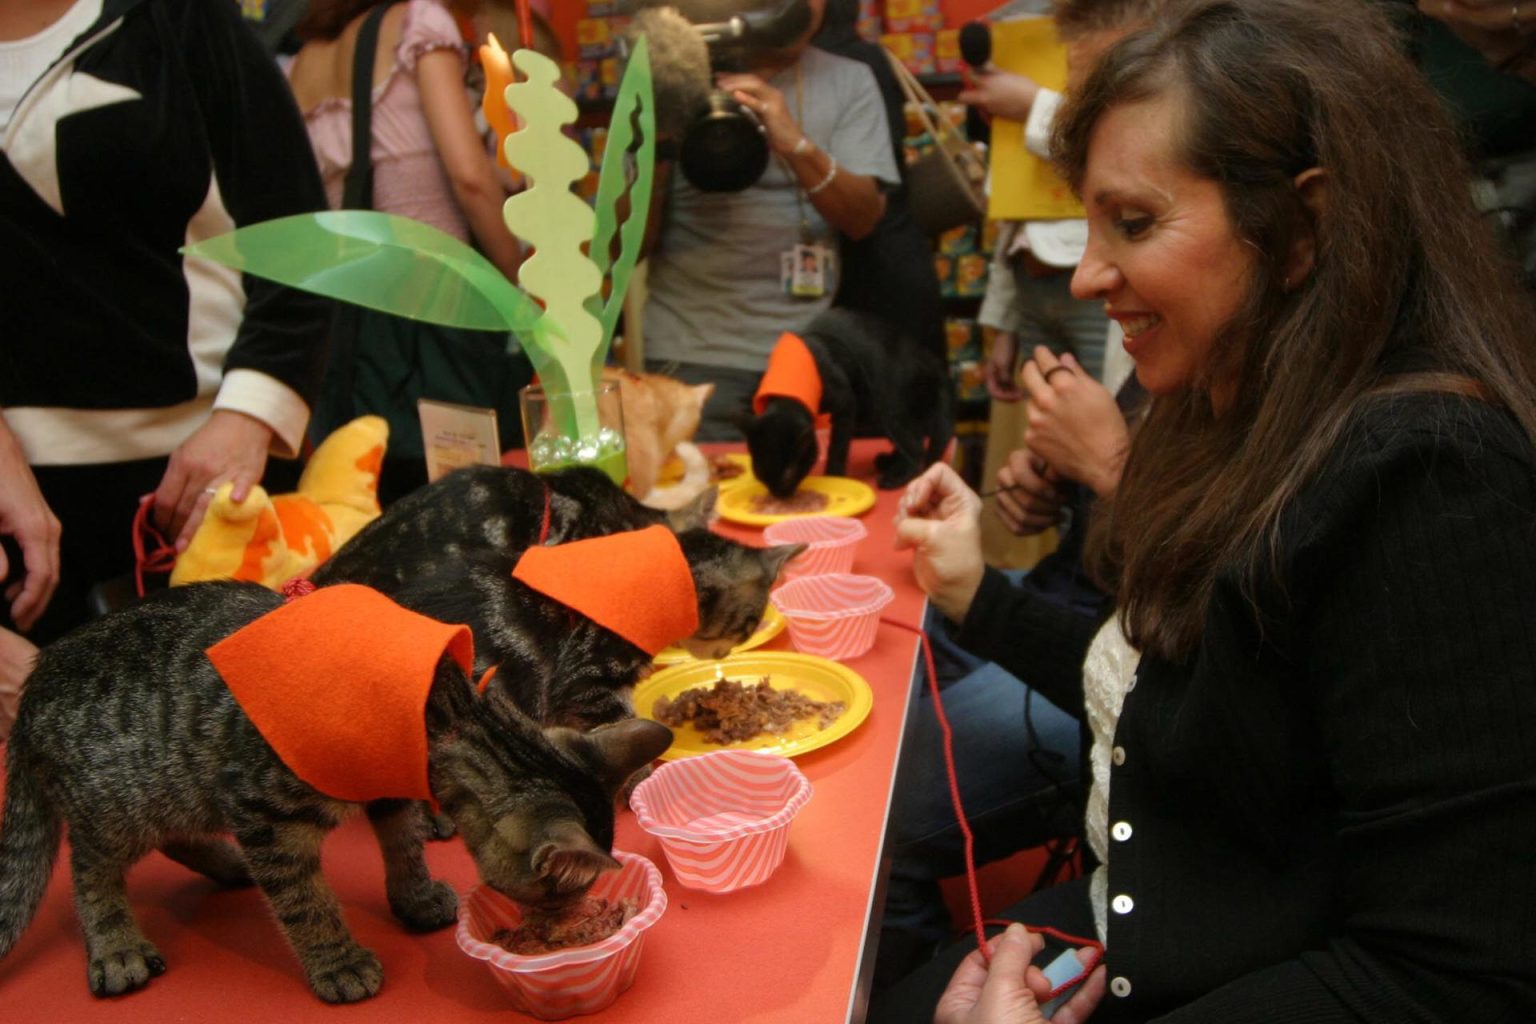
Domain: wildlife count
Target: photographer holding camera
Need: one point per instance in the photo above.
(739, 257)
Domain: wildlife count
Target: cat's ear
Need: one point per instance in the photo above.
(568, 860)
(775, 558)
(697, 513)
(703, 391)
(623, 748)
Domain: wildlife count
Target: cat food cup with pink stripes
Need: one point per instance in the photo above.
(832, 542)
(834, 615)
(577, 979)
(722, 817)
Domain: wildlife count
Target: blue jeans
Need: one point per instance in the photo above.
(1017, 762)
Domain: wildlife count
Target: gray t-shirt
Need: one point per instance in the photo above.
(714, 290)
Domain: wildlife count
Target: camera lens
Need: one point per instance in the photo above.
(723, 150)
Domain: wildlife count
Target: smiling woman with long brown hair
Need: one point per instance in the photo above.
(1323, 795)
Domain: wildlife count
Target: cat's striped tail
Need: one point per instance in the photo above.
(29, 842)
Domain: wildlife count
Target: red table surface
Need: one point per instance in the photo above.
(790, 951)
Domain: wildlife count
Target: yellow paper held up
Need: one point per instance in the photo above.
(1025, 187)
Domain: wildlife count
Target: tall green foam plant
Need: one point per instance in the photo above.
(401, 266)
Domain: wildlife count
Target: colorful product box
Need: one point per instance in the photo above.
(944, 270)
(958, 241)
(960, 338)
(946, 52)
(913, 16)
(913, 49)
(594, 38)
(970, 274)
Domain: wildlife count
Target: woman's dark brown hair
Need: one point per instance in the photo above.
(1406, 277)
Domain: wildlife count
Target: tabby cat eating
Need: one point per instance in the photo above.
(129, 735)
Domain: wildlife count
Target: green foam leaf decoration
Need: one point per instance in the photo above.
(379, 260)
(634, 108)
(556, 222)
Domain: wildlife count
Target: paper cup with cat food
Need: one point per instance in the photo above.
(832, 542)
(834, 615)
(722, 817)
(577, 964)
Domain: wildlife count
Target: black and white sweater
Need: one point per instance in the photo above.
(1333, 817)
(164, 123)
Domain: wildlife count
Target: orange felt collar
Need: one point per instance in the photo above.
(636, 584)
(791, 373)
(336, 682)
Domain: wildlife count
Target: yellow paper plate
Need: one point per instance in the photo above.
(771, 626)
(845, 497)
(817, 678)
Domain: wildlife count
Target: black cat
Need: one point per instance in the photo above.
(871, 372)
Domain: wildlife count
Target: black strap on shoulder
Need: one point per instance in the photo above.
(357, 192)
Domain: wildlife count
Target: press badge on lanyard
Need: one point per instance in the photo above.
(804, 269)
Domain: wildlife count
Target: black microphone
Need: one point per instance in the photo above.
(976, 45)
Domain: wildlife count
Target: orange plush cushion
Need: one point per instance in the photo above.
(636, 584)
(337, 683)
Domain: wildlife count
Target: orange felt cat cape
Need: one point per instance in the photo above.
(336, 682)
(791, 373)
(271, 539)
(635, 583)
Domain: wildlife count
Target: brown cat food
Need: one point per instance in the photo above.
(799, 503)
(729, 711)
(723, 467)
(592, 920)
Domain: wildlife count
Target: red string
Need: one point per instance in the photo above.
(162, 558)
(954, 788)
(296, 588)
(979, 923)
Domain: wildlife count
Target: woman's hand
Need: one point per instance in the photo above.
(230, 447)
(1073, 422)
(1027, 499)
(768, 104)
(1011, 990)
(939, 519)
(1001, 378)
(1497, 29)
(17, 654)
(25, 516)
(1002, 94)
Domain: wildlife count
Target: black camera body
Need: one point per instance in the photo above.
(722, 146)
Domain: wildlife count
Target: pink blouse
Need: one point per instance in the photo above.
(408, 176)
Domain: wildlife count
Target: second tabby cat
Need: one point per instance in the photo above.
(561, 668)
(128, 735)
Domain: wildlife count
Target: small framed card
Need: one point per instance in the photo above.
(454, 436)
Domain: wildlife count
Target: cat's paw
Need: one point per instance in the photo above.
(354, 975)
(124, 970)
(436, 906)
(440, 826)
(638, 776)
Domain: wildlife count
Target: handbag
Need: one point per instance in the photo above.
(380, 363)
(946, 185)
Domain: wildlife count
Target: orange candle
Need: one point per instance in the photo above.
(498, 75)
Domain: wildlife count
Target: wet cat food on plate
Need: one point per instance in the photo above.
(799, 503)
(730, 711)
(592, 920)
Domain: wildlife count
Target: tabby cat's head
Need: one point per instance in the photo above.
(732, 581)
(534, 806)
(782, 443)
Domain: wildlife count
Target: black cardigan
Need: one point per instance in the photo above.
(1333, 817)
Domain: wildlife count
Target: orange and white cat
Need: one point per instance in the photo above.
(661, 414)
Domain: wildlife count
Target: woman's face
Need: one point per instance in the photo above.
(1162, 254)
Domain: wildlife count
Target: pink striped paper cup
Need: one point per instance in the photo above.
(832, 539)
(579, 979)
(722, 817)
(834, 615)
